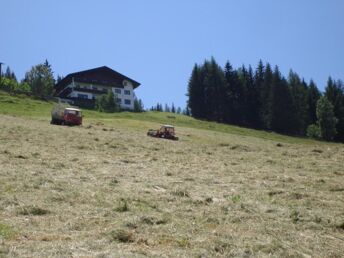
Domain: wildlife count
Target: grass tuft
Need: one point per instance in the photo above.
(6, 231)
(122, 206)
(32, 210)
(121, 235)
(181, 193)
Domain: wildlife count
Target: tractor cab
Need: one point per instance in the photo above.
(165, 131)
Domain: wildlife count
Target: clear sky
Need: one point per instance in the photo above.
(157, 42)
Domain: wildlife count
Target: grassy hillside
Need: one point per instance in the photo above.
(107, 190)
(28, 107)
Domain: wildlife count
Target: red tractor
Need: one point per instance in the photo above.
(166, 132)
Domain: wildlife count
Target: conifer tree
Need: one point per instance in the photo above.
(173, 109)
(253, 108)
(313, 95)
(326, 119)
(281, 104)
(196, 102)
(335, 94)
(231, 81)
(299, 110)
(259, 85)
(266, 97)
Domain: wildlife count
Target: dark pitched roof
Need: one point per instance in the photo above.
(101, 75)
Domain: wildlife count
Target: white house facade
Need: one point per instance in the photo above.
(82, 88)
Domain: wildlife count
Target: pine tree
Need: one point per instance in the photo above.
(173, 109)
(281, 104)
(138, 105)
(266, 97)
(167, 108)
(214, 83)
(313, 95)
(253, 109)
(231, 80)
(196, 101)
(335, 94)
(299, 110)
(10, 74)
(259, 85)
(326, 119)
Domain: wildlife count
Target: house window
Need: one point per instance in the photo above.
(82, 96)
(127, 101)
(118, 91)
(126, 92)
(119, 101)
(94, 88)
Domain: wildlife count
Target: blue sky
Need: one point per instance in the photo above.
(157, 42)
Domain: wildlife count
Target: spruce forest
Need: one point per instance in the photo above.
(262, 98)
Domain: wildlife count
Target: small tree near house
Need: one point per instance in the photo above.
(107, 103)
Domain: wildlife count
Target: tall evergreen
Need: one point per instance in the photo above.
(326, 119)
(298, 91)
(10, 74)
(266, 97)
(281, 104)
(335, 94)
(214, 84)
(261, 99)
(196, 101)
(230, 95)
(259, 85)
(313, 95)
(253, 105)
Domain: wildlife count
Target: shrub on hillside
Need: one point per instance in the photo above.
(107, 103)
(12, 86)
(313, 131)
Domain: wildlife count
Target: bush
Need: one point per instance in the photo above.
(107, 103)
(12, 86)
(313, 131)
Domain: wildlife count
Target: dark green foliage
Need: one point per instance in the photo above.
(10, 74)
(173, 109)
(313, 131)
(12, 86)
(196, 101)
(313, 95)
(298, 90)
(266, 98)
(41, 80)
(138, 105)
(263, 99)
(167, 108)
(282, 119)
(107, 103)
(158, 107)
(335, 94)
(326, 119)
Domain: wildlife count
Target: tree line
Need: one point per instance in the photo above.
(38, 81)
(262, 98)
(170, 109)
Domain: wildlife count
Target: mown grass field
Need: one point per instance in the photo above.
(107, 190)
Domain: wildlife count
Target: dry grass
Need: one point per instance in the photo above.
(108, 190)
